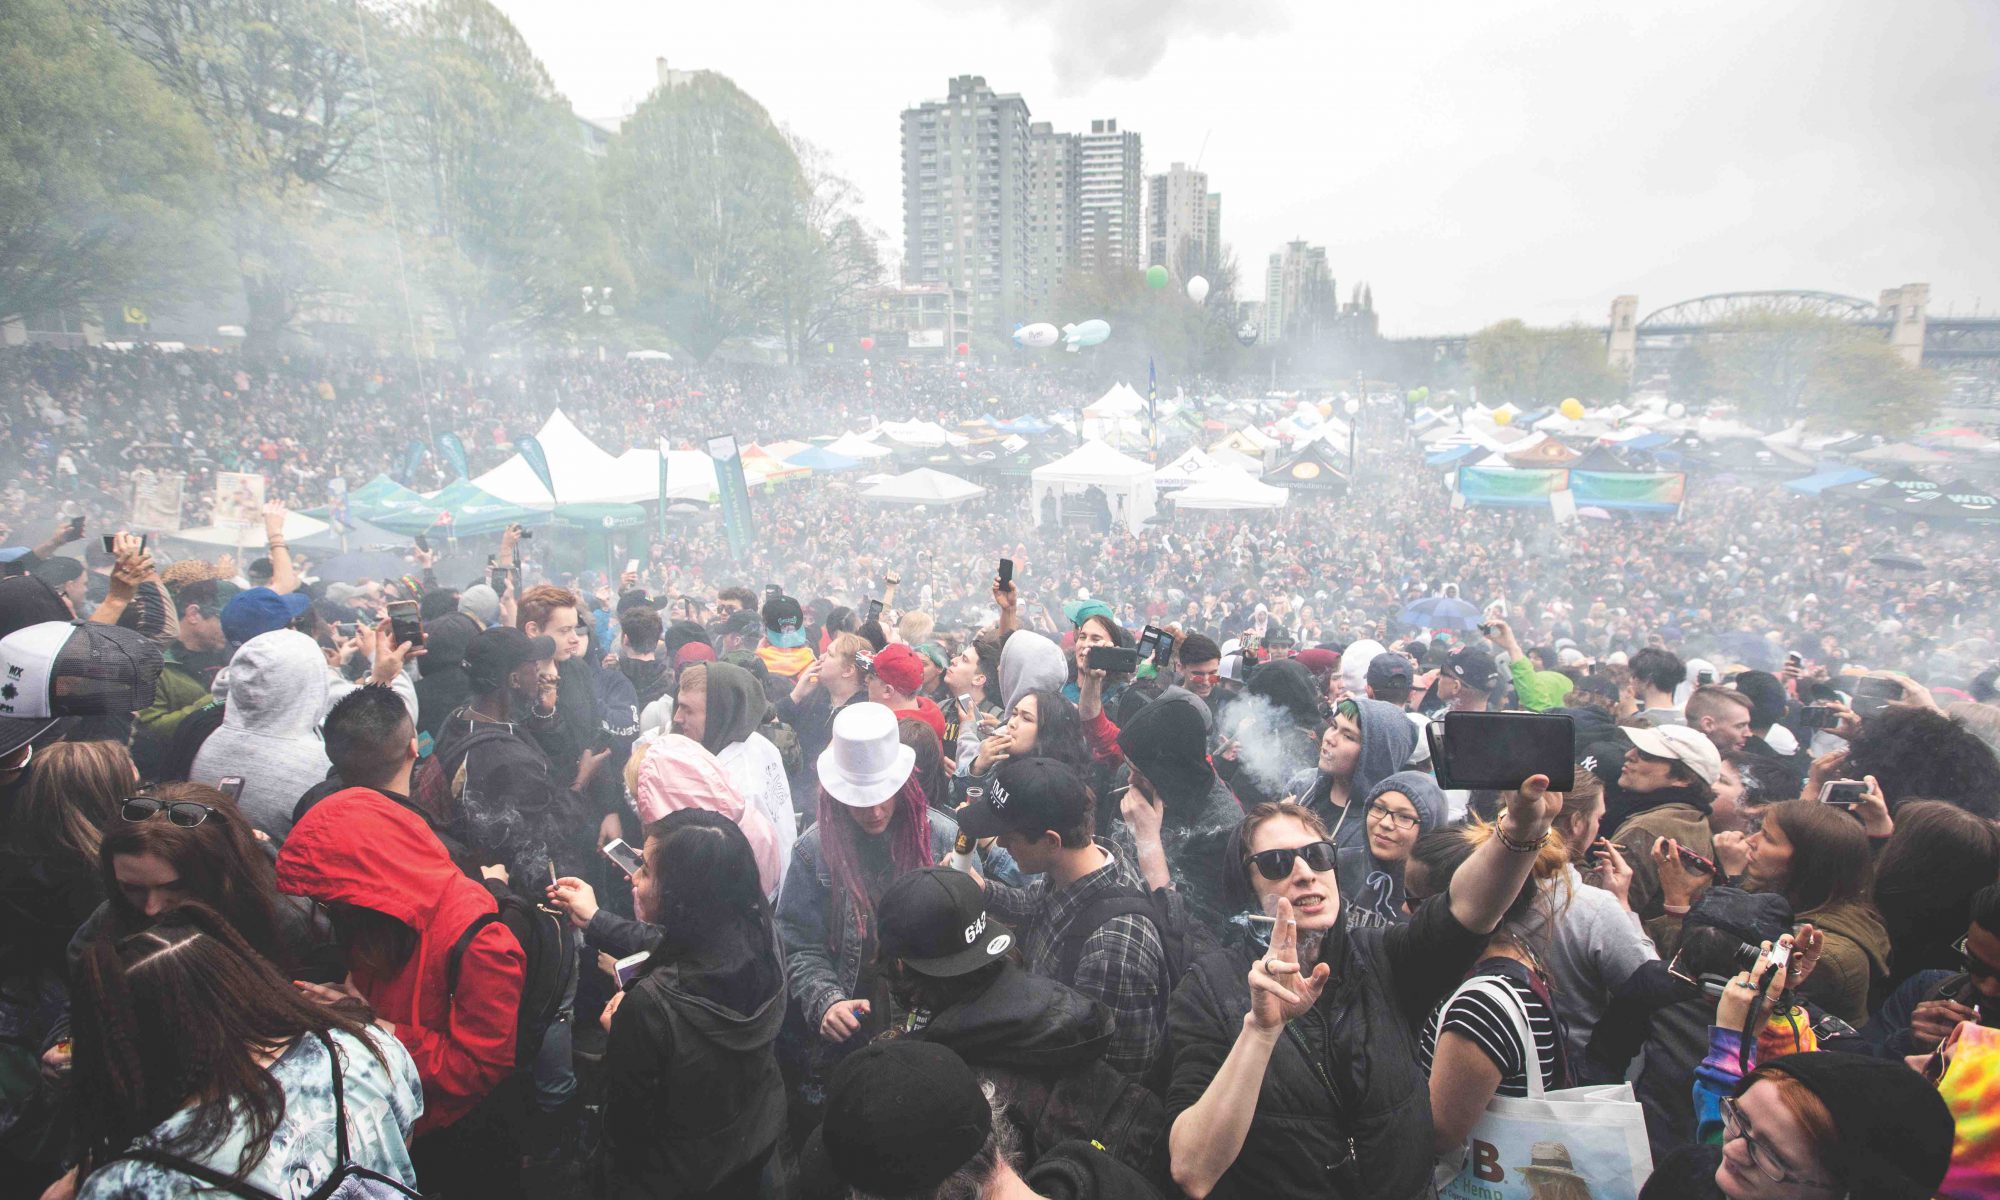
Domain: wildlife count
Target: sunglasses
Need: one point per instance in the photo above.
(1276, 864)
(1973, 966)
(185, 813)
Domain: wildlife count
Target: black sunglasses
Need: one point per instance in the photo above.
(1276, 864)
(1972, 966)
(185, 813)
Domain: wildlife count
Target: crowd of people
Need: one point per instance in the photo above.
(938, 855)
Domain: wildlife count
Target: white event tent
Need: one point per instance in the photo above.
(1225, 489)
(1126, 484)
(581, 471)
(922, 486)
(853, 445)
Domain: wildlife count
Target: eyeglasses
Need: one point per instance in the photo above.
(1972, 966)
(1735, 1127)
(1276, 864)
(1395, 819)
(185, 813)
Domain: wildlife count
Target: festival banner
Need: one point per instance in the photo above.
(1629, 490)
(734, 491)
(156, 500)
(239, 499)
(1506, 487)
(531, 452)
(413, 458)
(453, 449)
(664, 447)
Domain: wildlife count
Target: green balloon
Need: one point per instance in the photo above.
(1156, 277)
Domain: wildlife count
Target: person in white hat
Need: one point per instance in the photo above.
(1664, 785)
(873, 826)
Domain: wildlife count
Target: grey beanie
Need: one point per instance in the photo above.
(482, 603)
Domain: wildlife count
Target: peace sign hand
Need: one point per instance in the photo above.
(1279, 990)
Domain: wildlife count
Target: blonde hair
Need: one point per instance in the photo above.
(916, 627)
(845, 646)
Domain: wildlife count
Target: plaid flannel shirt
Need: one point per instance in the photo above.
(1122, 963)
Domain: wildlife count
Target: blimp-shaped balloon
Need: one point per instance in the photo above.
(1086, 333)
(1197, 289)
(1038, 335)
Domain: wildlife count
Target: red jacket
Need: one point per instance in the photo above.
(925, 709)
(358, 847)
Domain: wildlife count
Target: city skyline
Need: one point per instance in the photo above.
(1472, 164)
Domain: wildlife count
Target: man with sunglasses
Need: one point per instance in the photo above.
(1930, 1004)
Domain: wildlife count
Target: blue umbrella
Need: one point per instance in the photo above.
(1441, 612)
(1753, 650)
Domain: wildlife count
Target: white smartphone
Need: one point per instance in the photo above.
(631, 566)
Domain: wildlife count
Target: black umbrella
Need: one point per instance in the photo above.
(1897, 562)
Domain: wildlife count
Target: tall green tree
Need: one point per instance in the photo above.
(104, 174)
(1513, 363)
(704, 192)
(1780, 367)
(501, 198)
(829, 259)
(282, 89)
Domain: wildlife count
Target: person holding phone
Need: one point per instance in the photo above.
(1659, 783)
(1294, 1050)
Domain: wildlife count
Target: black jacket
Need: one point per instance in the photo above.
(692, 1091)
(1371, 1134)
(505, 804)
(1041, 1045)
(648, 677)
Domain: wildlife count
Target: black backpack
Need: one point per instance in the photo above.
(551, 955)
(1182, 941)
(349, 1181)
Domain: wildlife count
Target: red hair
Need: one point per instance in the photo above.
(909, 835)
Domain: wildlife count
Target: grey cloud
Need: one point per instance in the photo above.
(1126, 39)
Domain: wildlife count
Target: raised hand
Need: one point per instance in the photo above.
(1279, 990)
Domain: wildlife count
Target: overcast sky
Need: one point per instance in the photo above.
(1471, 161)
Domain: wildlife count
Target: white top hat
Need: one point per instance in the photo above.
(867, 762)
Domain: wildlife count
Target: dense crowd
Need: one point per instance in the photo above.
(936, 854)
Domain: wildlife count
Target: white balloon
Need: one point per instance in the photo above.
(1037, 335)
(1677, 411)
(1197, 289)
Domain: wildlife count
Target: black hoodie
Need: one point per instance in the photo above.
(1041, 1045)
(1166, 742)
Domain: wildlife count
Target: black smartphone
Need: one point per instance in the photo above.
(1006, 571)
(230, 786)
(1872, 695)
(1164, 653)
(423, 543)
(111, 539)
(1499, 751)
(1112, 660)
(771, 592)
(76, 527)
(1149, 640)
(1818, 716)
(1843, 793)
(875, 610)
(1695, 862)
(405, 626)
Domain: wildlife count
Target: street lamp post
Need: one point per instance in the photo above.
(1353, 430)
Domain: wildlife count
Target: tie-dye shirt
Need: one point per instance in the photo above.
(1971, 1087)
(382, 1103)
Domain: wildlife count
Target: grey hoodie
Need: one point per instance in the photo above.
(270, 729)
(1378, 886)
(1387, 740)
(1028, 661)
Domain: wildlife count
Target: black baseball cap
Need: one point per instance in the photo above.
(491, 656)
(783, 614)
(1474, 668)
(1388, 669)
(902, 1116)
(743, 623)
(1027, 795)
(935, 921)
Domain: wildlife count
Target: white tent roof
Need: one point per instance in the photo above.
(1184, 470)
(923, 486)
(298, 527)
(635, 477)
(1224, 457)
(853, 445)
(1092, 462)
(1120, 401)
(581, 470)
(927, 434)
(1227, 489)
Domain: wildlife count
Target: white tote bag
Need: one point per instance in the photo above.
(1583, 1143)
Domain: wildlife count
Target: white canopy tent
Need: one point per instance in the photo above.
(853, 445)
(923, 486)
(927, 435)
(1225, 489)
(1120, 401)
(580, 469)
(635, 477)
(1184, 470)
(1090, 472)
(298, 527)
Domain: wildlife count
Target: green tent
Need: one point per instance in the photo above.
(474, 512)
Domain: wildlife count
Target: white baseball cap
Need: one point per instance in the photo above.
(1683, 744)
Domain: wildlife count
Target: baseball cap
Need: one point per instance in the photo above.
(76, 669)
(1473, 667)
(902, 1116)
(935, 920)
(1681, 744)
(743, 623)
(783, 613)
(260, 610)
(898, 666)
(490, 656)
(1389, 669)
(1076, 612)
(934, 654)
(1027, 795)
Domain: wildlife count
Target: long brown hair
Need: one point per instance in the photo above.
(177, 1013)
(72, 797)
(218, 861)
(1830, 858)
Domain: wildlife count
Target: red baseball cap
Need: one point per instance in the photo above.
(899, 666)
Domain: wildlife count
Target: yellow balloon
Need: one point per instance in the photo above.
(1503, 417)
(1572, 408)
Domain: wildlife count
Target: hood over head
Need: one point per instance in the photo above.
(359, 847)
(1354, 660)
(736, 703)
(1029, 662)
(1387, 740)
(1167, 742)
(277, 684)
(677, 772)
(1423, 792)
(1026, 1022)
(1288, 684)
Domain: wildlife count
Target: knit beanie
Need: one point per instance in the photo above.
(1167, 743)
(1893, 1131)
